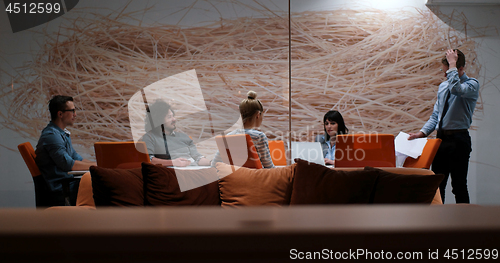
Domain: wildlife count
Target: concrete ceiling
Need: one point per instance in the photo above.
(474, 18)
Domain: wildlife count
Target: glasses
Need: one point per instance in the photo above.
(72, 110)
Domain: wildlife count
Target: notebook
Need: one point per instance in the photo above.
(309, 151)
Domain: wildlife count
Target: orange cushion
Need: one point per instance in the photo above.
(240, 186)
(85, 196)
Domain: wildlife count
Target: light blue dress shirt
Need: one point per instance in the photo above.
(330, 154)
(328, 149)
(462, 101)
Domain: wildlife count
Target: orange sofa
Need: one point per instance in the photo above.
(302, 183)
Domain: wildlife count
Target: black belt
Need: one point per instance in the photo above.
(451, 132)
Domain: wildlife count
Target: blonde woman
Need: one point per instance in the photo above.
(251, 111)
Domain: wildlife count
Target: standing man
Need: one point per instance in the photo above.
(452, 117)
(165, 146)
(55, 155)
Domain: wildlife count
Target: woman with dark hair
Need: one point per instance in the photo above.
(334, 124)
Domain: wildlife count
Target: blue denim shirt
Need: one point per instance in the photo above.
(55, 155)
(462, 101)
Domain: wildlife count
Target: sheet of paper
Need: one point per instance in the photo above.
(77, 172)
(412, 148)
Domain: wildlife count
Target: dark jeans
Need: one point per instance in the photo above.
(452, 159)
(68, 194)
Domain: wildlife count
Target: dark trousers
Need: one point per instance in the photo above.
(452, 159)
(68, 194)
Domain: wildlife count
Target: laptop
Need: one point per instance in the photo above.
(309, 151)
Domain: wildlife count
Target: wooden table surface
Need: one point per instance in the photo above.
(250, 234)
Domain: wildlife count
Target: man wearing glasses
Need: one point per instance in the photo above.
(55, 155)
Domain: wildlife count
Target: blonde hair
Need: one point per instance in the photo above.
(249, 106)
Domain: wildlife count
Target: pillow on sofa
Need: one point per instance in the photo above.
(408, 188)
(117, 187)
(85, 196)
(318, 184)
(162, 188)
(252, 187)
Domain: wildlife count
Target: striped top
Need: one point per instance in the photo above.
(259, 139)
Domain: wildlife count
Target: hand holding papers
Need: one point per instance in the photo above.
(412, 148)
